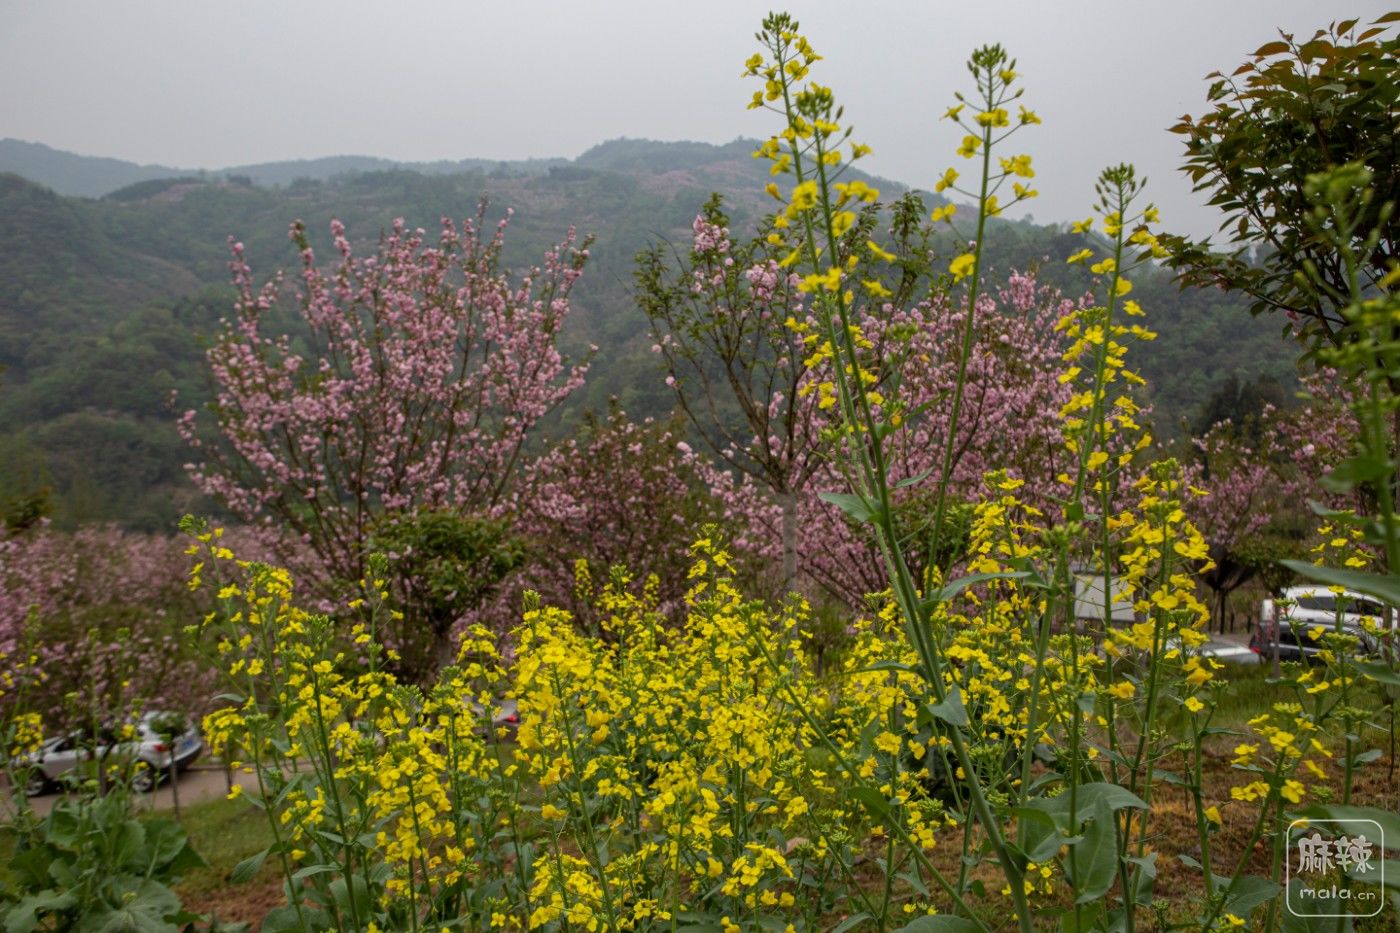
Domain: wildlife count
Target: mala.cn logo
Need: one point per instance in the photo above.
(1324, 858)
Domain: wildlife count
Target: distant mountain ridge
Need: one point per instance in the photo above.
(74, 175)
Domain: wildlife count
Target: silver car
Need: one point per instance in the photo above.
(146, 758)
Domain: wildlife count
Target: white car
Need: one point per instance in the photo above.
(146, 758)
(1304, 609)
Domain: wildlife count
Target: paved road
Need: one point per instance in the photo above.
(1232, 648)
(196, 785)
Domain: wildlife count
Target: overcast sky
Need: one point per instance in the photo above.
(208, 85)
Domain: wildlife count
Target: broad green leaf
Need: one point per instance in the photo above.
(129, 845)
(1382, 586)
(1115, 796)
(1040, 836)
(164, 840)
(1353, 472)
(1092, 863)
(1083, 920)
(285, 919)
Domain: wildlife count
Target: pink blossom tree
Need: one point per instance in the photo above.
(1011, 398)
(103, 610)
(733, 331)
(423, 370)
(720, 319)
(620, 495)
(1260, 476)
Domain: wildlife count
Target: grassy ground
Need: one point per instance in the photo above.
(226, 832)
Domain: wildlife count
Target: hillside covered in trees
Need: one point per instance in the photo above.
(106, 303)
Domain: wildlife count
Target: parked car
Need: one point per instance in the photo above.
(1303, 610)
(151, 753)
(505, 715)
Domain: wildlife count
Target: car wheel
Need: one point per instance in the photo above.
(144, 780)
(36, 785)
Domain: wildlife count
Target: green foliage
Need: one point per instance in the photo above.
(90, 864)
(1241, 404)
(1294, 109)
(440, 565)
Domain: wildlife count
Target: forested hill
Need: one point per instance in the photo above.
(105, 302)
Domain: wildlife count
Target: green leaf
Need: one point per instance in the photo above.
(1041, 837)
(29, 867)
(144, 905)
(1092, 863)
(62, 828)
(873, 800)
(857, 508)
(284, 919)
(1355, 471)
(165, 839)
(345, 889)
(25, 916)
(1144, 878)
(888, 665)
(916, 479)
(1382, 586)
(129, 845)
(1386, 871)
(1366, 757)
(1378, 671)
(313, 870)
(244, 871)
(962, 583)
(916, 883)
(950, 710)
(1114, 796)
(1250, 891)
(1296, 923)
(1084, 920)
(1388, 821)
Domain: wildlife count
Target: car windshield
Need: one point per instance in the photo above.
(1326, 602)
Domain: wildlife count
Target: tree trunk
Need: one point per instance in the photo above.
(788, 502)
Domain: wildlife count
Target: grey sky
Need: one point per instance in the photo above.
(206, 85)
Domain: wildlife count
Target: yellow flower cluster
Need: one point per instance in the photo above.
(653, 771)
